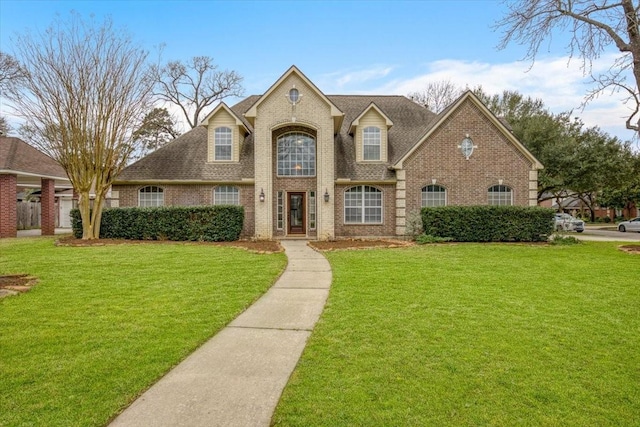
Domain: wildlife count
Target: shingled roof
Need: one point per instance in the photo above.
(18, 157)
(410, 122)
(185, 158)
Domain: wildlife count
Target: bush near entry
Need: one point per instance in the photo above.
(179, 223)
(489, 223)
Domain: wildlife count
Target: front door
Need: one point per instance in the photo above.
(296, 213)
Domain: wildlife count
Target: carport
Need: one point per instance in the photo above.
(22, 166)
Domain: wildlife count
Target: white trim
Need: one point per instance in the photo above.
(362, 222)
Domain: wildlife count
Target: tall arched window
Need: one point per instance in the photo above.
(150, 196)
(226, 195)
(363, 205)
(223, 142)
(296, 154)
(371, 143)
(500, 195)
(434, 195)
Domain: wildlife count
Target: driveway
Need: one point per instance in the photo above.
(601, 235)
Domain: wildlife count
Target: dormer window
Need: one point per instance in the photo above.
(371, 143)
(223, 142)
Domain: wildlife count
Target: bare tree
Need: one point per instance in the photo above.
(195, 85)
(86, 88)
(594, 26)
(437, 95)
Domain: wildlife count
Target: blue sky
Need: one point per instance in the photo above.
(346, 47)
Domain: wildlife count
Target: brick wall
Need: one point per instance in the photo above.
(276, 114)
(193, 195)
(48, 212)
(8, 207)
(386, 229)
(495, 161)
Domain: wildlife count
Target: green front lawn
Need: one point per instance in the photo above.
(104, 323)
(469, 334)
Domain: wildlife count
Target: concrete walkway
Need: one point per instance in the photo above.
(237, 377)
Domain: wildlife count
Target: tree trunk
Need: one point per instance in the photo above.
(84, 203)
(96, 217)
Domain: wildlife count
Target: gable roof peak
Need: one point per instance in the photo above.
(371, 106)
(223, 106)
(468, 95)
(337, 115)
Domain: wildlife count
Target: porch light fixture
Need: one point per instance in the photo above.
(326, 195)
(261, 197)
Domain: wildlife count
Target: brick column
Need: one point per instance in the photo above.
(8, 207)
(48, 208)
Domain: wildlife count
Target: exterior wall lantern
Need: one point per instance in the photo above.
(326, 195)
(261, 197)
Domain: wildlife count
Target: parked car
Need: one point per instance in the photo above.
(565, 222)
(631, 225)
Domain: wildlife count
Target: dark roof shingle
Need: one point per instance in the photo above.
(185, 158)
(18, 156)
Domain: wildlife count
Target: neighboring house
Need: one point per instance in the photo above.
(576, 207)
(21, 167)
(29, 208)
(306, 164)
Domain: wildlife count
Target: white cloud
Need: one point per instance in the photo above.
(353, 78)
(560, 83)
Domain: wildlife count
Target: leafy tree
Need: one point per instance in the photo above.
(594, 26)
(548, 136)
(85, 90)
(600, 162)
(627, 194)
(157, 129)
(11, 76)
(436, 96)
(5, 128)
(195, 85)
(11, 73)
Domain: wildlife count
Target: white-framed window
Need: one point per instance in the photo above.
(500, 195)
(150, 196)
(434, 195)
(363, 205)
(223, 143)
(312, 210)
(371, 142)
(280, 210)
(226, 195)
(296, 154)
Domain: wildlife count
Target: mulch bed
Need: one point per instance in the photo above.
(632, 249)
(257, 246)
(13, 284)
(347, 244)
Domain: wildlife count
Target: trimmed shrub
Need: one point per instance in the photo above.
(560, 240)
(489, 223)
(180, 223)
(425, 239)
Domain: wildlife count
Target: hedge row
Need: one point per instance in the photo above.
(195, 223)
(489, 223)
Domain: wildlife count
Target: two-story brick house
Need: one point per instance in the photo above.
(306, 164)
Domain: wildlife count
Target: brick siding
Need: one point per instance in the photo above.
(48, 212)
(193, 195)
(494, 161)
(386, 229)
(8, 207)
